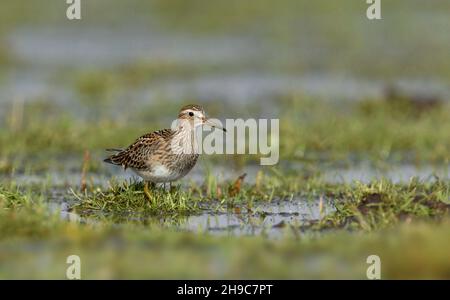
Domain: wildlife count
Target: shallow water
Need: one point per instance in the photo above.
(48, 56)
(362, 172)
(103, 47)
(273, 219)
(401, 173)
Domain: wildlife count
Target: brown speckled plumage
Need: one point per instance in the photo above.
(152, 155)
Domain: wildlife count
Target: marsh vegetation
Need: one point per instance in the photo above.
(364, 143)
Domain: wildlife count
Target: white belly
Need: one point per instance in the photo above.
(158, 174)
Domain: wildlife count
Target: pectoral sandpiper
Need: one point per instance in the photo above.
(165, 155)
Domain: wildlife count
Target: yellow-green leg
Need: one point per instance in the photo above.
(147, 192)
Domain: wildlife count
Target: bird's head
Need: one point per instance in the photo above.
(195, 116)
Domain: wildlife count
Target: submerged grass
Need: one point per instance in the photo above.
(383, 204)
(414, 250)
(358, 206)
(377, 130)
(129, 197)
(405, 224)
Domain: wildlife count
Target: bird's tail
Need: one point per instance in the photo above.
(114, 150)
(110, 159)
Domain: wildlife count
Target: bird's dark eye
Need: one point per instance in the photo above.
(191, 114)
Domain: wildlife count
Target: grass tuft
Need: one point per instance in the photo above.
(129, 197)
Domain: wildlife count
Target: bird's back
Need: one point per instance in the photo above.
(152, 157)
(136, 155)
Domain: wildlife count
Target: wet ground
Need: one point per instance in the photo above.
(226, 67)
(49, 61)
(274, 219)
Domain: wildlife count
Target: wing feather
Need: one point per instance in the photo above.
(137, 154)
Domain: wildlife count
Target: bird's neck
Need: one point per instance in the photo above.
(185, 139)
